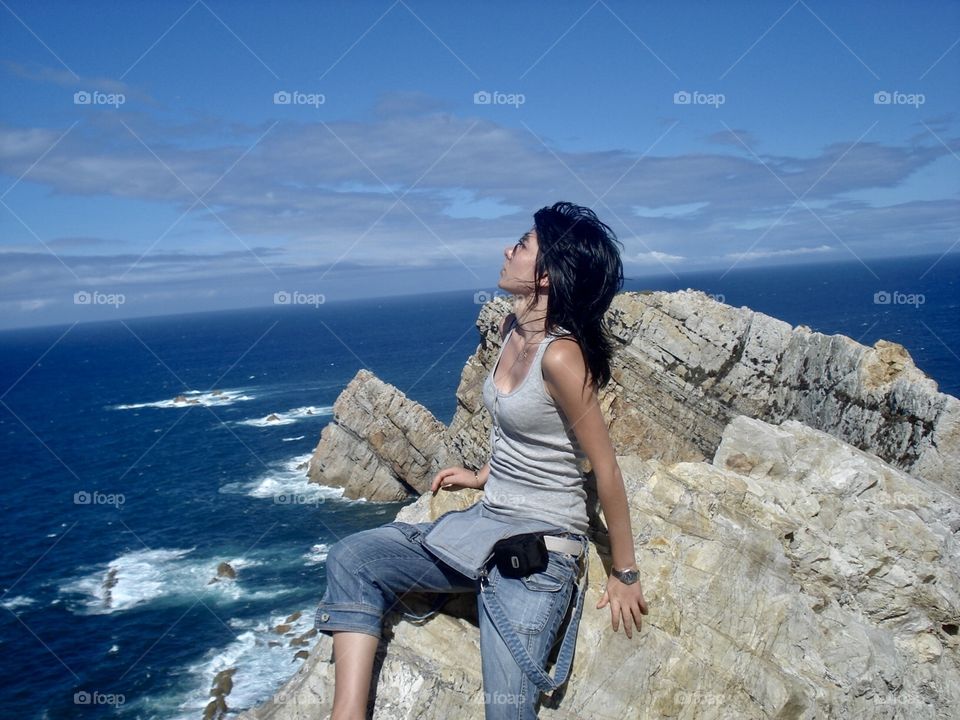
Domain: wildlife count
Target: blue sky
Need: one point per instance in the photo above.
(148, 160)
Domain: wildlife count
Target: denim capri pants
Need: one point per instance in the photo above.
(368, 570)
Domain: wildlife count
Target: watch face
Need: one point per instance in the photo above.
(627, 577)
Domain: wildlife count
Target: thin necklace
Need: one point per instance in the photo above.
(526, 346)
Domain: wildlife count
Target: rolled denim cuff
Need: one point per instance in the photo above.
(352, 617)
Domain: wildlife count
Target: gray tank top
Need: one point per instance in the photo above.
(534, 455)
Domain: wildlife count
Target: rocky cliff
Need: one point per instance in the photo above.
(794, 498)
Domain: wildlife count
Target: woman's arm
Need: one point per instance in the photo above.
(563, 373)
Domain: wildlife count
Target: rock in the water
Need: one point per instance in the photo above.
(109, 582)
(224, 571)
(217, 708)
(272, 417)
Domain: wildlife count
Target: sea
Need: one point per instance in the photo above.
(139, 455)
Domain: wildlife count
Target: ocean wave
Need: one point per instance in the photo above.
(17, 602)
(288, 484)
(291, 439)
(289, 417)
(190, 398)
(317, 554)
(144, 576)
(261, 657)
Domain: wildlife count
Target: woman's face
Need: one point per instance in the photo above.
(516, 277)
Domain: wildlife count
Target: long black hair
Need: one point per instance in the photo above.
(579, 254)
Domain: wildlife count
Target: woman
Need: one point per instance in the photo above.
(542, 396)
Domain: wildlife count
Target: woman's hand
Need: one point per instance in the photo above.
(625, 601)
(455, 478)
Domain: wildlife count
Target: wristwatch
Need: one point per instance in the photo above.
(627, 577)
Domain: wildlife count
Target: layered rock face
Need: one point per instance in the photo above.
(794, 576)
(381, 445)
(794, 499)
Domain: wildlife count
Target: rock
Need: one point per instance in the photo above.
(272, 417)
(184, 400)
(303, 639)
(217, 708)
(224, 570)
(792, 576)
(282, 629)
(293, 617)
(684, 366)
(109, 582)
(301, 655)
(794, 499)
(223, 682)
(380, 445)
(217, 392)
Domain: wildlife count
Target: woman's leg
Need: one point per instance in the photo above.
(535, 606)
(353, 654)
(366, 574)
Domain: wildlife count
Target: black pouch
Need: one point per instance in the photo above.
(521, 555)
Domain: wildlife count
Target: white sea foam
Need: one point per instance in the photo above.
(291, 439)
(191, 398)
(317, 554)
(288, 484)
(288, 417)
(260, 668)
(16, 602)
(144, 576)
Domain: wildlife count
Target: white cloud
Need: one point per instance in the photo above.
(766, 254)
